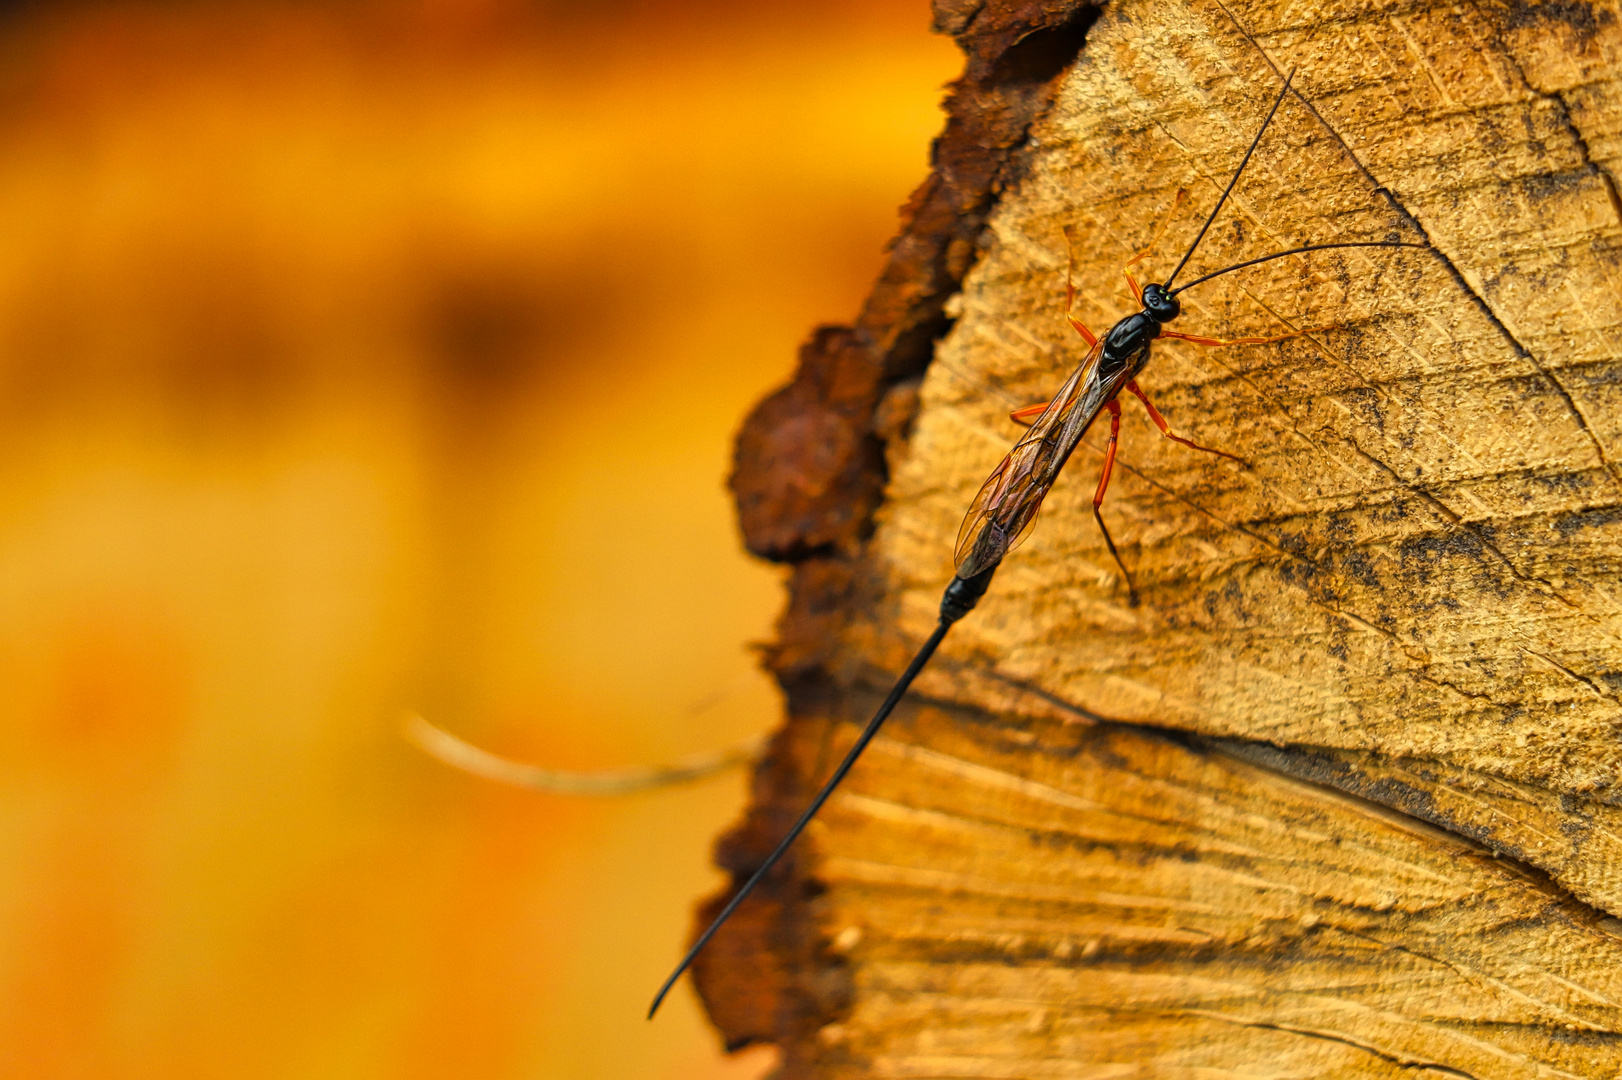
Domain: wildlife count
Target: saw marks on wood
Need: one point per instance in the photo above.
(1423, 553)
(1086, 901)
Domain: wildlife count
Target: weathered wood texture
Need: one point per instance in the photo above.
(1377, 828)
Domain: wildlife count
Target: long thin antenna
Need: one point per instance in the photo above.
(1189, 253)
(1295, 251)
(866, 737)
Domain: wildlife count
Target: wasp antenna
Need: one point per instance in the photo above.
(1296, 251)
(1243, 162)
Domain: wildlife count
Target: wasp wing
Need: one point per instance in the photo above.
(1003, 512)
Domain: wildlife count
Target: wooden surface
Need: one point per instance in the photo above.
(1059, 899)
(1339, 797)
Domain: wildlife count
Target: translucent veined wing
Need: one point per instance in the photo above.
(1003, 512)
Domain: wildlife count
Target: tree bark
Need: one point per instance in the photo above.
(1340, 795)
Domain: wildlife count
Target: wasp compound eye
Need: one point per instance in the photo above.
(1160, 303)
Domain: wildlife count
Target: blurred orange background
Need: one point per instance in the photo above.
(364, 357)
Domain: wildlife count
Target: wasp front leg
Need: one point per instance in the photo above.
(1165, 428)
(1216, 341)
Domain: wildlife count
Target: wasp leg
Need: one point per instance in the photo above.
(1070, 289)
(1165, 223)
(1027, 416)
(1215, 341)
(1165, 428)
(1114, 408)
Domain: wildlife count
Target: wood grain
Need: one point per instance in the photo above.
(1339, 796)
(1064, 900)
(1421, 556)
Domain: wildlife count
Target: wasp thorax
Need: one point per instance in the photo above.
(1160, 304)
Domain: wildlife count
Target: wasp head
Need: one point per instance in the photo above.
(1160, 305)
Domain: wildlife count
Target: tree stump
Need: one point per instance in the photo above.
(1340, 796)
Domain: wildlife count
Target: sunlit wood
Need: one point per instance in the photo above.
(1335, 798)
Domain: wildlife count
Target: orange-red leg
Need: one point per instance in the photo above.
(1114, 408)
(1070, 290)
(1165, 428)
(1165, 223)
(1027, 416)
(1214, 341)
(1134, 288)
(1029, 413)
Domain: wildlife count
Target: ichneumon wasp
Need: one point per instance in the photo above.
(1005, 509)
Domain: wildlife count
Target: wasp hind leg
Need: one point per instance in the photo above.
(1114, 408)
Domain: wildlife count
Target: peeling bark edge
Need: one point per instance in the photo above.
(809, 472)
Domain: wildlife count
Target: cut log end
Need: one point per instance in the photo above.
(1339, 798)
